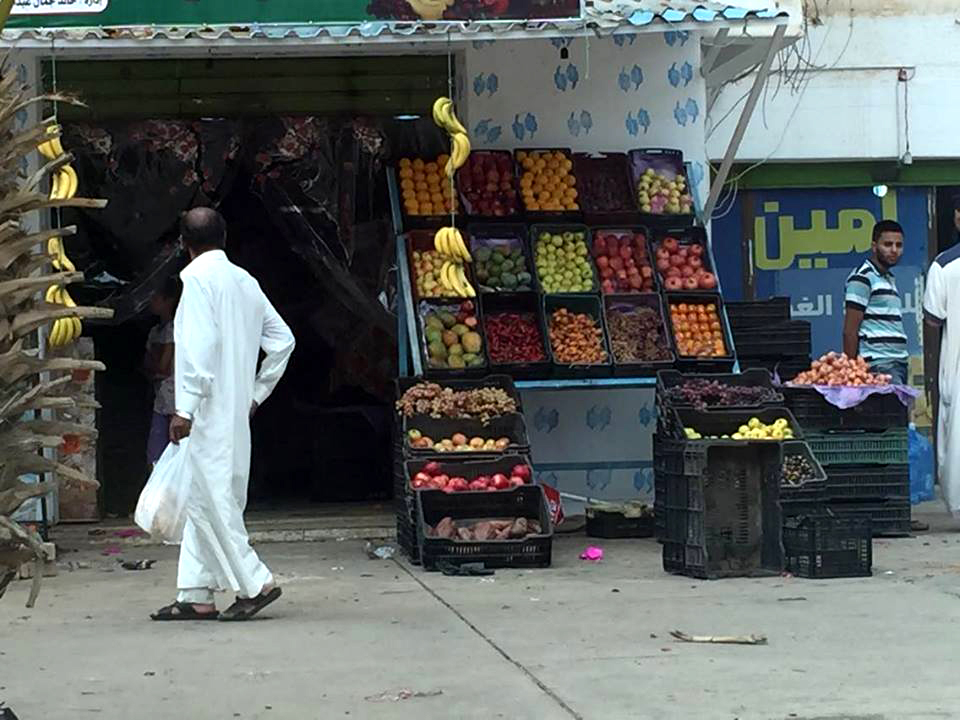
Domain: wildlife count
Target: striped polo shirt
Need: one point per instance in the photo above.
(881, 332)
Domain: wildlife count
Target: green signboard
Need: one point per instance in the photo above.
(118, 13)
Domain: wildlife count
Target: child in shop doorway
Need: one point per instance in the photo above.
(158, 365)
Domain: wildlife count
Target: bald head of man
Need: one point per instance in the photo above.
(203, 229)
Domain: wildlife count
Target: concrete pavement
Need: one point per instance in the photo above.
(579, 640)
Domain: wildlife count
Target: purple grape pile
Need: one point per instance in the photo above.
(391, 10)
(702, 394)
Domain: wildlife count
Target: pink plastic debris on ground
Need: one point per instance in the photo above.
(592, 553)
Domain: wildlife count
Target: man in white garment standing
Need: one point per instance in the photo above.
(941, 300)
(222, 323)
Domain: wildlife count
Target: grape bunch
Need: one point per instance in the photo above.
(702, 394)
(391, 10)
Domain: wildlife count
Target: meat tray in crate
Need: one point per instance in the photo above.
(876, 412)
(726, 518)
(868, 482)
(636, 330)
(501, 259)
(500, 435)
(826, 546)
(516, 334)
(466, 510)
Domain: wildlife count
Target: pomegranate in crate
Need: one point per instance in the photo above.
(488, 185)
(623, 262)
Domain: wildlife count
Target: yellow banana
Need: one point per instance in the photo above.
(428, 9)
(440, 241)
(437, 109)
(451, 123)
(459, 246)
(55, 186)
(50, 297)
(444, 277)
(459, 152)
(464, 284)
(72, 182)
(55, 250)
(454, 278)
(77, 326)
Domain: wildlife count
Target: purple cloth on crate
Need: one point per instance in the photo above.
(848, 396)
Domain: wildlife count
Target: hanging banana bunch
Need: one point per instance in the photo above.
(448, 241)
(63, 186)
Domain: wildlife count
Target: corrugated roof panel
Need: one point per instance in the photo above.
(599, 15)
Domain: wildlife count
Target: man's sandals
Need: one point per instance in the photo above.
(242, 609)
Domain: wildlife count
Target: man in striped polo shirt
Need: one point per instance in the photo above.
(873, 322)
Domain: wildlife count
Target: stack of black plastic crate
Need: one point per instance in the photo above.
(716, 506)
(766, 337)
(864, 452)
(407, 460)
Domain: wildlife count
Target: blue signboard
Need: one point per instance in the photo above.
(804, 244)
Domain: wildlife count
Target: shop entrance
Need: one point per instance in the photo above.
(292, 153)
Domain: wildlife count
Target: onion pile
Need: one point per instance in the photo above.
(838, 369)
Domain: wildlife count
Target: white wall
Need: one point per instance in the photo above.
(597, 84)
(853, 108)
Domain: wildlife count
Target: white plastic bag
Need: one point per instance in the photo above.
(162, 507)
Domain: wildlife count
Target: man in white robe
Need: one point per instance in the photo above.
(941, 301)
(223, 322)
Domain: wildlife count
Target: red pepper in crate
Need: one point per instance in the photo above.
(514, 338)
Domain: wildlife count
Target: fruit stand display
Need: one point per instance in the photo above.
(463, 479)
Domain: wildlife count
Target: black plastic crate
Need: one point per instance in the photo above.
(701, 364)
(529, 501)
(627, 304)
(684, 237)
(727, 516)
(512, 237)
(792, 337)
(459, 466)
(758, 313)
(876, 412)
(810, 497)
(422, 241)
(610, 524)
(827, 546)
(728, 422)
(527, 304)
(888, 518)
(497, 380)
(877, 482)
(451, 307)
(602, 176)
(618, 233)
(471, 178)
(512, 427)
(753, 377)
(674, 557)
(547, 216)
(782, 368)
(666, 161)
(558, 229)
(589, 304)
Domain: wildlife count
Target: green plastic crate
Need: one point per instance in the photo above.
(865, 448)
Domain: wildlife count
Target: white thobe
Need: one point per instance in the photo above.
(222, 323)
(942, 301)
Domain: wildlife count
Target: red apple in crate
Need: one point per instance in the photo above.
(477, 486)
(488, 183)
(501, 482)
(617, 253)
(522, 471)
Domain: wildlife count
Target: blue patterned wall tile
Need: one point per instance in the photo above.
(598, 417)
(692, 109)
(546, 420)
(686, 72)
